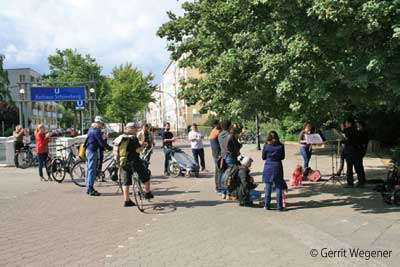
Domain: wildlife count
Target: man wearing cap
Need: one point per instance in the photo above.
(95, 141)
(134, 164)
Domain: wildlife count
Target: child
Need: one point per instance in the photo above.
(245, 190)
(297, 176)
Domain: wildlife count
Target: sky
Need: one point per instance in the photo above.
(111, 31)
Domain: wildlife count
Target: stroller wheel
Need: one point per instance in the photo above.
(174, 169)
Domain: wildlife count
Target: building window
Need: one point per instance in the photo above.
(22, 78)
(32, 79)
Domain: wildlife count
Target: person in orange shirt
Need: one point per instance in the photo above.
(215, 149)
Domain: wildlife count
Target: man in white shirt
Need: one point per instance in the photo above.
(196, 142)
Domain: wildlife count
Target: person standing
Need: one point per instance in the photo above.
(18, 135)
(146, 140)
(226, 126)
(305, 149)
(273, 153)
(232, 152)
(133, 164)
(42, 148)
(353, 153)
(168, 138)
(196, 142)
(95, 141)
(215, 150)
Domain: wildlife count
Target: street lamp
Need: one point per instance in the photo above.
(21, 113)
(92, 103)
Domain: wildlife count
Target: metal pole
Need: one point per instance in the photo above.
(177, 117)
(94, 101)
(258, 132)
(81, 120)
(20, 112)
(2, 127)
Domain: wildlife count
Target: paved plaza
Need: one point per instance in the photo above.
(187, 224)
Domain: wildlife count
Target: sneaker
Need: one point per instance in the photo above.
(129, 203)
(148, 195)
(94, 193)
(231, 198)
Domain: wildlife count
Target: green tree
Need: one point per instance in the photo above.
(130, 92)
(4, 93)
(309, 60)
(69, 65)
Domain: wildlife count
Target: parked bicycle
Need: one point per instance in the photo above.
(63, 164)
(109, 171)
(25, 157)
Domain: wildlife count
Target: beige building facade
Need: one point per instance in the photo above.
(172, 109)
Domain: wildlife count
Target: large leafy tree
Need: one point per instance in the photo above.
(69, 65)
(131, 92)
(314, 60)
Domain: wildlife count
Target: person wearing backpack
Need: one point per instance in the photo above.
(95, 142)
(129, 162)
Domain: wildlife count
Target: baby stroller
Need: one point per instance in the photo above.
(182, 163)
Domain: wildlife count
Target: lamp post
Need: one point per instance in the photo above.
(21, 113)
(92, 92)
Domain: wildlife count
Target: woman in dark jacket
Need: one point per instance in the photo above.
(273, 154)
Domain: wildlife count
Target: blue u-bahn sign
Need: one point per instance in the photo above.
(57, 93)
(80, 105)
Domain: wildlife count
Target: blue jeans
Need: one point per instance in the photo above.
(42, 162)
(167, 154)
(230, 161)
(306, 154)
(278, 191)
(91, 168)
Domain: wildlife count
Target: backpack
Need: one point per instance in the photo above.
(231, 178)
(120, 151)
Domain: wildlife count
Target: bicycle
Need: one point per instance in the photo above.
(138, 192)
(24, 157)
(60, 166)
(108, 172)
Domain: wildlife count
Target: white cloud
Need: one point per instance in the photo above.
(113, 32)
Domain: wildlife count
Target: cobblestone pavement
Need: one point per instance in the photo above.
(187, 224)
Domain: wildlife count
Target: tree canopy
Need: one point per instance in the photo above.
(311, 60)
(4, 93)
(69, 65)
(130, 93)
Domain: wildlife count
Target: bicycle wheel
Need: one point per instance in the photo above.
(138, 193)
(57, 170)
(78, 173)
(25, 159)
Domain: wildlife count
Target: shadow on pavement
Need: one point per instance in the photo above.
(364, 200)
